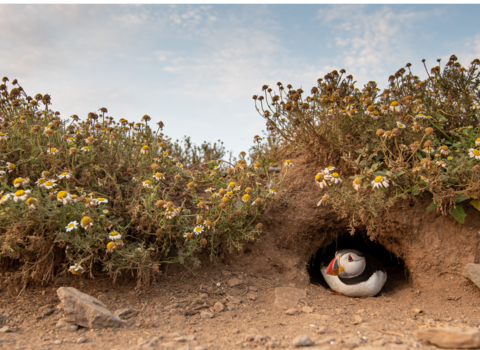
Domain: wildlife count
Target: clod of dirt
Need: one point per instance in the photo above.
(5, 329)
(206, 315)
(451, 337)
(64, 326)
(472, 272)
(302, 340)
(288, 297)
(307, 309)
(292, 312)
(83, 310)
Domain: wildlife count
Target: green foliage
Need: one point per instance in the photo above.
(99, 195)
(416, 136)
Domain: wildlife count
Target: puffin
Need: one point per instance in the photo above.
(354, 274)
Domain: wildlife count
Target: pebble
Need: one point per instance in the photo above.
(230, 306)
(322, 330)
(359, 319)
(5, 329)
(218, 307)
(206, 314)
(258, 338)
(307, 309)
(302, 340)
(57, 342)
(82, 340)
(292, 312)
(451, 337)
(233, 282)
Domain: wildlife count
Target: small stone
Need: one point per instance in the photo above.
(271, 345)
(253, 289)
(47, 312)
(307, 309)
(360, 311)
(292, 312)
(249, 337)
(233, 300)
(126, 313)
(359, 319)
(218, 307)
(64, 326)
(258, 338)
(322, 330)
(353, 342)
(233, 282)
(57, 342)
(170, 307)
(206, 314)
(288, 297)
(230, 306)
(204, 295)
(5, 329)
(82, 340)
(302, 340)
(252, 296)
(472, 272)
(451, 337)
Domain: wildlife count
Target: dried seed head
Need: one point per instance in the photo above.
(238, 212)
(203, 242)
(380, 132)
(72, 151)
(428, 143)
(476, 168)
(160, 203)
(429, 130)
(259, 226)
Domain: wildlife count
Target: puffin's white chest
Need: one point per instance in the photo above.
(370, 287)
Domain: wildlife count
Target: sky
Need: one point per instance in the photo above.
(196, 67)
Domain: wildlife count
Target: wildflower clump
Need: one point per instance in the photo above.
(103, 196)
(410, 137)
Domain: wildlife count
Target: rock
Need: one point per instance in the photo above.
(233, 282)
(359, 319)
(82, 340)
(253, 289)
(233, 300)
(204, 295)
(64, 326)
(230, 306)
(249, 337)
(302, 340)
(292, 312)
(252, 296)
(307, 309)
(47, 312)
(126, 313)
(5, 329)
(206, 314)
(57, 342)
(451, 337)
(352, 342)
(288, 297)
(186, 339)
(472, 272)
(169, 345)
(86, 311)
(258, 338)
(271, 345)
(218, 307)
(322, 330)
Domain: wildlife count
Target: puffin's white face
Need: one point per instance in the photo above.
(351, 265)
(347, 263)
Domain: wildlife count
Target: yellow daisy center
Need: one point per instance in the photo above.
(113, 233)
(62, 194)
(198, 228)
(394, 103)
(19, 193)
(148, 182)
(110, 245)
(335, 175)
(379, 179)
(86, 221)
(64, 174)
(52, 150)
(246, 197)
(145, 148)
(18, 181)
(231, 184)
(100, 199)
(476, 152)
(49, 183)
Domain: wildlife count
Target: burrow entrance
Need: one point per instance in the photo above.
(396, 270)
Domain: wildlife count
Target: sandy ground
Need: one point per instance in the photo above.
(165, 315)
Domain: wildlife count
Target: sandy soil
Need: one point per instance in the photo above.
(331, 321)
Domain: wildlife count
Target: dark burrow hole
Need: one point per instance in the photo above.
(396, 270)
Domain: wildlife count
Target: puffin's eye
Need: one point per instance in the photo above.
(350, 259)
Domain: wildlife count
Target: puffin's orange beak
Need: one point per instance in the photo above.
(333, 268)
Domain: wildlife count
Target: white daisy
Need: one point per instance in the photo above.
(335, 178)
(21, 195)
(474, 153)
(114, 236)
(380, 181)
(65, 175)
(71, 226)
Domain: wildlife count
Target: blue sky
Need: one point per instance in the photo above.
(196, 67)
